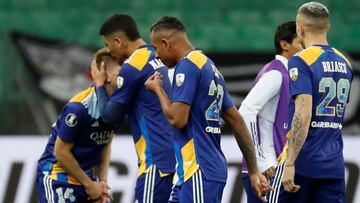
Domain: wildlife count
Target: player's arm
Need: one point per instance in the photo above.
(299, 131)
(242, 136)
(112, 112)
(264, 90)
(103, 168)
(301, 90)
(62, 152)
(105, 162)
(70, 125)
(177, 113)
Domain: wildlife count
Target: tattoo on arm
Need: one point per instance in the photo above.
(299, 127)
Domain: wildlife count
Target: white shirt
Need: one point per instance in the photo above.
(262, 102)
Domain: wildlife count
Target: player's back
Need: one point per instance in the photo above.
(198, 83)
(152, 133)
(326, 75)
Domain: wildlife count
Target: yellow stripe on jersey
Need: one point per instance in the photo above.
(58, 169)
(342, 56)
(284, 151)
(140, 147)
(83, 95)
(190, 164)
(198, 58)
(311, 54)
(139, 58)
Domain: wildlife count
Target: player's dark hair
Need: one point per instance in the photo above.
(285, 31)
(120, 23)
(168, 23)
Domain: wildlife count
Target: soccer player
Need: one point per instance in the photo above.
(199, 99)
(152, 133)
(264, 108)
(320, 78)
(79, 146)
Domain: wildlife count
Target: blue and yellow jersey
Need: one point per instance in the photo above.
(198, 83)
(324, 73)
(79, 123)
(152, 133)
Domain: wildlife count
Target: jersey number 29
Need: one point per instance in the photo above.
(339, 90)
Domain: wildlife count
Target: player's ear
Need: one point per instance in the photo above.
(165, 42)
(117, 41)
(284, 45)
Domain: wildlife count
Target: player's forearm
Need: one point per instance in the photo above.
(72, 167)
(242, 137)
(165, 104)
(105, 162)
(111, 112)
(299, 127)
(246, 145)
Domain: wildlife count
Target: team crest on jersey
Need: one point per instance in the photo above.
(180, 78)
(71, 120)
(119, 82)
(294, 74)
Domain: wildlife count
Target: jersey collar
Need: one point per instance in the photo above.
(283, 60)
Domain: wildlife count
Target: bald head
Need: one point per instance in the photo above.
(315, 17)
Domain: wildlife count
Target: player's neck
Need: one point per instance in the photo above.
(184, 49)
(132, 46)
(315, 39)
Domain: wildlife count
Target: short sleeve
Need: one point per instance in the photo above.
(300, 77)
(185, 81)
(127, 84)
(69, 122)
(227, 101)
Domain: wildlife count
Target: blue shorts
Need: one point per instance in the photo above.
(315, 191)
(152, 188)
(198, 190)
(51, 191)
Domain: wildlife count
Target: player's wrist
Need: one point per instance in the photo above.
(103, 180)
(87, 182)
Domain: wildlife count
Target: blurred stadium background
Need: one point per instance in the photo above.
(46, 49)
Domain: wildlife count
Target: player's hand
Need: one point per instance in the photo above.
(269, 173)
(95, 190)
(260, 185)
(98, 73)
(288, 179)
(154, 82)
(105, 196)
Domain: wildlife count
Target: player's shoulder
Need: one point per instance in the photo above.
(337, 52)
(83, 95)
(310, 54)
(73, 112)
(140, 58)
(196, 59)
